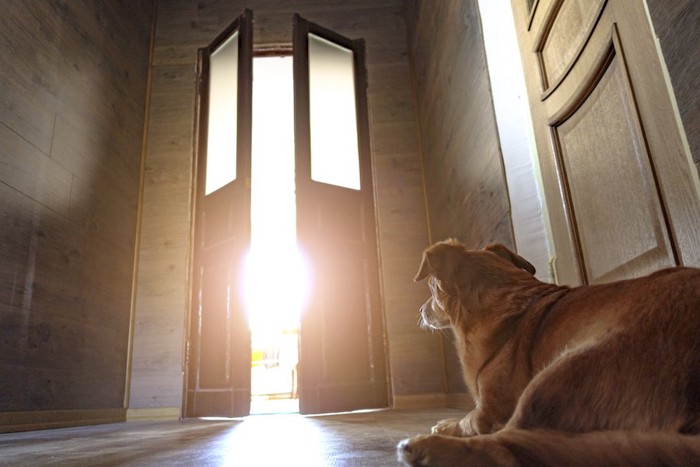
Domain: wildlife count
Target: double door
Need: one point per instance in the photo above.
(342, 360)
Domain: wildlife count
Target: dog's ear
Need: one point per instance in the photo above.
(438, 259)
(424, 270)
(511, 257)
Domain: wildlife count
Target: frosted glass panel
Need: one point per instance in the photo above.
(334, 151)
(223, 115)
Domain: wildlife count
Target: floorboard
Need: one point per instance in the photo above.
(350, 439)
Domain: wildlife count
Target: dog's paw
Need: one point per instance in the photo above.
(448, 451)
(448, 427)
(414, 452)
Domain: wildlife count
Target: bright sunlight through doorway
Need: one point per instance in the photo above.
(277, 281)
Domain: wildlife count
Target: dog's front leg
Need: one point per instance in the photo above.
(476, 422)
(448, 427)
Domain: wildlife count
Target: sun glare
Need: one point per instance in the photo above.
(276, 288)
(277, 278)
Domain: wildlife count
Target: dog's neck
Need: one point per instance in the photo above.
(483, 341)
(484, 335)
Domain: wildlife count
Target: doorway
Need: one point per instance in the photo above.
(276, 282)
(241, 280)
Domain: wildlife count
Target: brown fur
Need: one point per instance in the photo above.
(593, 375)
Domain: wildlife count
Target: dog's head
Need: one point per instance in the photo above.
(458, 277)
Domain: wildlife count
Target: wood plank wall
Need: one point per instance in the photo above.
(182, 27)
(465, 184)
(72, 76)
(676, 26)
(73, 81)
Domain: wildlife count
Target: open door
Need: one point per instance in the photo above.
(218, 352)
(342, 355)
(619, 186)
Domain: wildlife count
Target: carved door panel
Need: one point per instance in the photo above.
(618, 183)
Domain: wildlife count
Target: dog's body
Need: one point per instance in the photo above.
(594, 375)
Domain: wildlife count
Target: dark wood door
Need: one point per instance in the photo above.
(618, 182)
(218, 351)
(342, 355)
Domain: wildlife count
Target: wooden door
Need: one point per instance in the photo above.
(618, 183)
(342, 358)
(218, 350)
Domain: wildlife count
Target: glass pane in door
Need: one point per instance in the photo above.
(223, 115)
(333, 117)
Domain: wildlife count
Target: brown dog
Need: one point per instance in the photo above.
(603, 375)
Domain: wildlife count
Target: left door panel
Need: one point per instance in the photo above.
(218, 345)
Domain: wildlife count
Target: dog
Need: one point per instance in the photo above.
(598, 375)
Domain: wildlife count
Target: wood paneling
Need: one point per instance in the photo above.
(465, 186)
(73, 80)
(621, 192)
(183, 26)
(71, 113)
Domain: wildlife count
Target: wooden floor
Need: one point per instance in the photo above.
(351, 439)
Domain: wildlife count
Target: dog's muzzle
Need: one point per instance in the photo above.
(430, 317)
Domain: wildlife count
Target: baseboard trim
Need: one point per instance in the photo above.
(420, 401)
(46, 419)
(157, 413)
